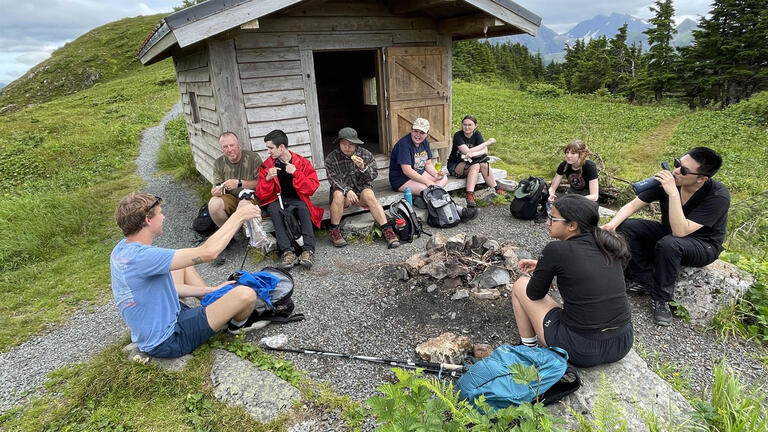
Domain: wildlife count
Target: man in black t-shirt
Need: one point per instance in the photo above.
(694, 211)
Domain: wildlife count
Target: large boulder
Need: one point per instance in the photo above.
(636, 390)
(446, 348)
(170, 364)
(240, 382)
(359, 225)
(703, 291)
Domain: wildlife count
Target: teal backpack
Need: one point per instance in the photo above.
(492, 377)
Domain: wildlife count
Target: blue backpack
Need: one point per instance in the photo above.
(492, 378)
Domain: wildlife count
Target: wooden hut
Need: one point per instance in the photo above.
(312, 67)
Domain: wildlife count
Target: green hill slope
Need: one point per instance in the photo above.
(99, 56)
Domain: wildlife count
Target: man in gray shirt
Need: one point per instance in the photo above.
(235, 170)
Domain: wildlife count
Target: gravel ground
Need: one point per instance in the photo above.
(354, 304)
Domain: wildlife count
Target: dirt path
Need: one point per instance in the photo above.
(651, 145)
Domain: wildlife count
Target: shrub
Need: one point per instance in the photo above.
(544, 90)
(754, 110)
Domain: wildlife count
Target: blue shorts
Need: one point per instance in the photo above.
(191, 330)
(587, 348)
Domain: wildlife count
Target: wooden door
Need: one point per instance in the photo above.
(418, 85)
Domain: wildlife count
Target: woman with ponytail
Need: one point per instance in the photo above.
(593, 324)
(580, 172)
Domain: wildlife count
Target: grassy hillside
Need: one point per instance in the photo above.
(63, 166)
(99, 56)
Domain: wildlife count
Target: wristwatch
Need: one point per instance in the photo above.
(239, 183)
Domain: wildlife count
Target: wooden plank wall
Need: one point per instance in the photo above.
(193, 75)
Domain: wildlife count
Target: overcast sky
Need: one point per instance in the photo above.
(30, 30)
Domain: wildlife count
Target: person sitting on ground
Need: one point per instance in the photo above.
(594, 324)
(694, 212)
(233, 171)
(289, 175)
(469, 158)
(147, 281)
(410, 165)
(350, 169)
(580, 172)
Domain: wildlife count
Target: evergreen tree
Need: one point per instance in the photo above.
(662, 55)
(593, 68)
(619, 56)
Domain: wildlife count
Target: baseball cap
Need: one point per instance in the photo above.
(348, 134)
(421, 124)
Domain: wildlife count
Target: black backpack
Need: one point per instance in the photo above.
(443, 212)
(203, 224)
(413, 227)
(529, 194)
(282, 303)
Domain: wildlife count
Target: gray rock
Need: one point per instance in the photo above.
(460, 294)
(456, 243)
(415, 262)
(239, 382)
(435, 269)
(491, 245)
(490, 278)
(359, 225)
(451, 283)
(486, 294)
(437, 239)
(510, 257)
(637, 389)
(402, 273)
(456, 270)
(446, 348)
(703, 291)
(523, 254)
(169, 364)
(478, 241)
(431, 288)
(507, 184)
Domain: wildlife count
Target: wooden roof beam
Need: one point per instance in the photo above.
(469, 24)
(408, 6)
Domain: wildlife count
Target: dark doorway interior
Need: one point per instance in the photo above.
(347, 96)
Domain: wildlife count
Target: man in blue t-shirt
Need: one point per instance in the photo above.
(694, 212)
(147, 281)
(411, 162)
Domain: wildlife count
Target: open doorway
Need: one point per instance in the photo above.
(347, 84)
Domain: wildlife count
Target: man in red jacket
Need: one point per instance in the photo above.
(289, 175)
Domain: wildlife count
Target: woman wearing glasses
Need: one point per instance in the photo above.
(469, 158)
(580, 172)
(593, 324)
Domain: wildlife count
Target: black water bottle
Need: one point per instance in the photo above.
(649, 183)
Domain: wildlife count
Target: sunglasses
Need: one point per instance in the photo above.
(686, 171)
(157, 202)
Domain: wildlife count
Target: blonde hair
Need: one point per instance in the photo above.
(132, 210)
(578, 146)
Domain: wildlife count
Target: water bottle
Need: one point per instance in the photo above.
(649, 183)
(408, 196)
(255, 233)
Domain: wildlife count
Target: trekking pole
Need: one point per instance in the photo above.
(437, 368)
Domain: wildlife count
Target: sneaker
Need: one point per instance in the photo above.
(287, 260)
(306, 259)
(500, 191)
(471, 199)
(336, 238)
(250, 325)
(635, 287)
(662, 316)
(391, 238)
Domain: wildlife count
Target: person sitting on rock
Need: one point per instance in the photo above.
(410, 165)
(233, 171)
(147, 281)
(469, 158)
(295, 180)
(580, 172)
(694, 212)
(350, 169)
(594, 323)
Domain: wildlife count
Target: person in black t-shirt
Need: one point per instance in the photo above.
(580, 172)
(594, 323)
(694, 211)
(469, 158)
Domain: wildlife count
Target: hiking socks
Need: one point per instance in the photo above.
(237, 323)
(530, 341)
(334, 226)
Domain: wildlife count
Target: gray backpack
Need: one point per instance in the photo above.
(443, 212)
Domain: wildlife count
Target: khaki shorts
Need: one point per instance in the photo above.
(230, 203)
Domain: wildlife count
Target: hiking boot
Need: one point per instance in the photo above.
(635, 287)
(662, 316)
(391, 238)
(471, 199)
(306, 259)
(336, 237)
(251, 324)
(287, 260)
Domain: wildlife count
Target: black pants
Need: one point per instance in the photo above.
(657, 255)
(281, 232)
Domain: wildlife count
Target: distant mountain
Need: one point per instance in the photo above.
(551, 45)
(2, 84)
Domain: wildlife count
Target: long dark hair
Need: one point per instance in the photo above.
(576, 208)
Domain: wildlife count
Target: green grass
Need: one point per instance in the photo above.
(99, 56)
(64, 165)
